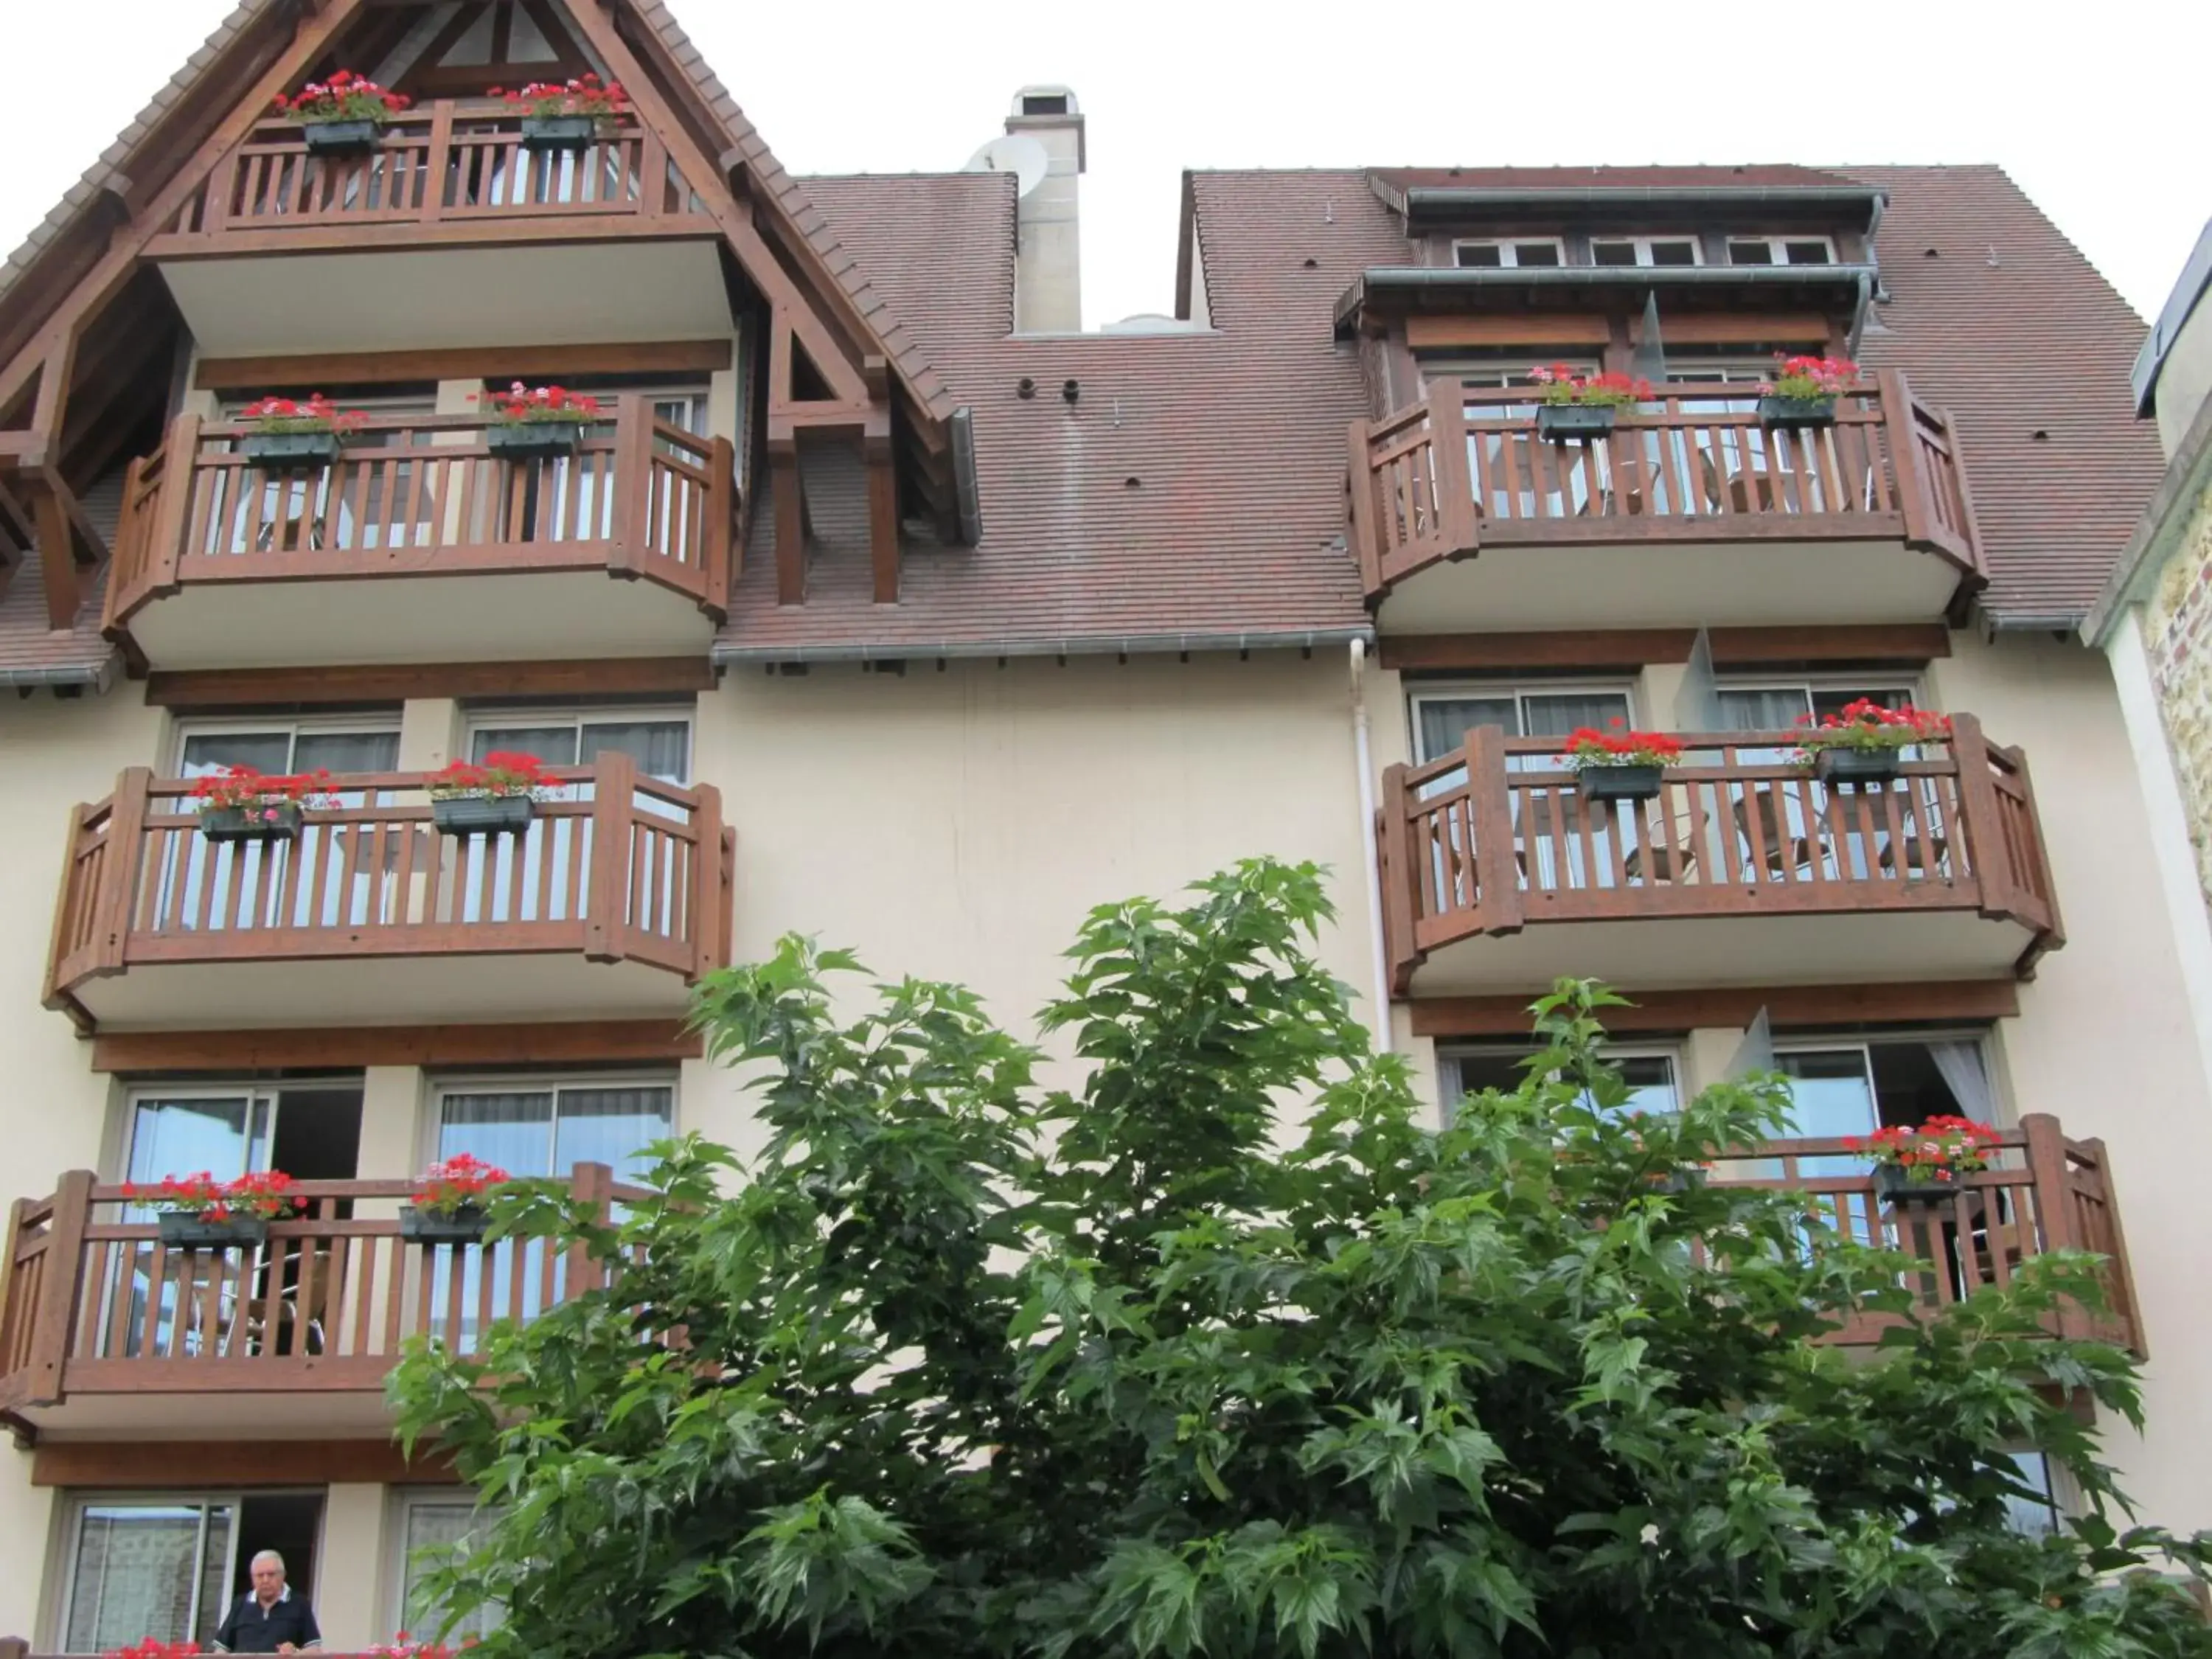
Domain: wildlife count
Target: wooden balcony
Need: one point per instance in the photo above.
(101, 1324)
(420, 544)
(1497, 876)
(104, 1329)
(612, 902)
(1690, 513)
(472, 238)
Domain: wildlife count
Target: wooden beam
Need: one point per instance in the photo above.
(883, 518)
(92, 291)
(194, 1465)
(461, 363)
(1426, 333)
(608, 1042)
(1735, 328)
(1734, 1008)
(1630, 648)
(57, 557)
(199, 690)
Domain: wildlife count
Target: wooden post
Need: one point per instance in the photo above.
(2042, 886)
(593, 1183)
(1367, 537)
(118, 899)
(708, 903)
(632, 483)
(13, 1647)
(2054, 1205)
(1904, 456)
(52, 1326)
(1456, 520)
(1394, 852)
(165, 534)
(435, 163)
(606, 914)
(719, 543)
(883, 516)
(57, 556)
(2120, 1279)
(1497, 877)
(1980, 816)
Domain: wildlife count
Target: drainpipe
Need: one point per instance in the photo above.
(1378, 963)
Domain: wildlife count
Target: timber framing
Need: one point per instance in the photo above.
(1655, 1013)
(1887, 645)
(211, 689)
(569, 1043)
(185, 1464)
(460, 363)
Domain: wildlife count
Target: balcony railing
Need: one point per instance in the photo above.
(1497, 837)
(459, 164)
(1466, 469)
(619, 868)
(425, 495)
(96, 1304)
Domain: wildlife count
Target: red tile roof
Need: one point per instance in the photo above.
(1605, 178)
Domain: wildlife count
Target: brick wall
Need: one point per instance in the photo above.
(2177, 635)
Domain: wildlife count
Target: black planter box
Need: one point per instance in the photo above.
(249, 824)
(1899, 1185)
(294, 448)
(534, 440)
(1575, 420)
(341, 137)
(558, 132)
(420, 1226)
(1797, 412)
(483, 815)
(1620, 782)
(1858, 765)
(183, 1231)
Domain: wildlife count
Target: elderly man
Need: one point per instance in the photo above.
(269, 1618)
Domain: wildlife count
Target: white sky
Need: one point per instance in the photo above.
(2097, 109)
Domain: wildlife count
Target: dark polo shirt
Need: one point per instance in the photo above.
(252, 1628)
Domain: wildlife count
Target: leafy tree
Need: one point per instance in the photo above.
(1223, 1352)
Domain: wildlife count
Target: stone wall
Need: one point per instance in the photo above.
(2177, 636)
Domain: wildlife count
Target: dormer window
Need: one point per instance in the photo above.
(1646, 251)
(1780, 251)
(1516, 253)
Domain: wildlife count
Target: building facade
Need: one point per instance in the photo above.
(884, 609)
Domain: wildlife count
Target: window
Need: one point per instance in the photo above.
(433, 1528)
(1443, 717)
(545, 1128)
(1646, 251)
(1491, 252)
(1650, 1075)
(366, 745)
(658, 740)
(1780, 251)
(311, 1131)
(1779, 707)
(169, 1567)
(2036, 1516)
(1854, 1086)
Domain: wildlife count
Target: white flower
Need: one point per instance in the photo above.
(1649, 1534)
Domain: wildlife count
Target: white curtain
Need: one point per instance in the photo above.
(1967, 1078)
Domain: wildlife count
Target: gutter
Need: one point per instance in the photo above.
(98, 676)
(1448, 201)
(1131, 645)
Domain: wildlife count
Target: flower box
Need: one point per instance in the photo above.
(1859, 766)
(1575, 420)
(1776, 411)
(340, 137)
(1633, 783)
(294, 448)
(483, 815)
(558, 132)
(273, 821)
(182, 1230)
(1897, 1183)
(465, 1225)
(534, 440)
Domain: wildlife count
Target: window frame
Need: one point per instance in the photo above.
(79, 1501)
(293, 726)
(404, 1501)
(1865, 1041)
(1509, 245)
(1913, 684)
(1450, 1056)
(1776, 247)
(1641, 243)
(437, 1087)
(1420, 691)
(137, 1094)
(491, 716)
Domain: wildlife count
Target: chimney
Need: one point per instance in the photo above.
(1048, 267)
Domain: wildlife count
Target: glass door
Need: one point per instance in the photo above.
(1784, 832)
(140, 1569)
